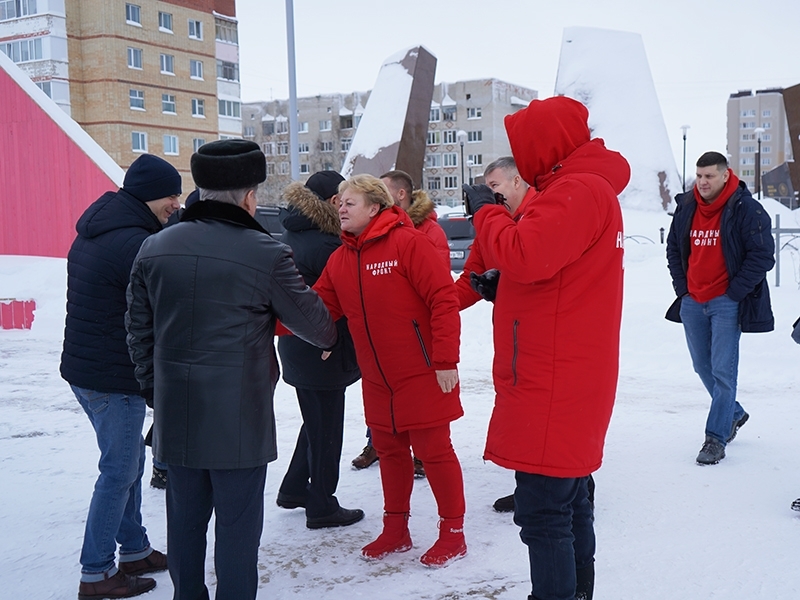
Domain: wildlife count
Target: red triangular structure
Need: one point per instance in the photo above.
(50, 169)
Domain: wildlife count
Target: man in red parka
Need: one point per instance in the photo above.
(556, 333)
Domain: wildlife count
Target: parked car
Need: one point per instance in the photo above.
(460, 235)
(269, 218)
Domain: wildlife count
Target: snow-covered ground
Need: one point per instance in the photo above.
(667, 529)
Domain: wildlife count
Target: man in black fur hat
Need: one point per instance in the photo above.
(203, 302)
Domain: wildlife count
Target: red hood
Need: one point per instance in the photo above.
(551, 137)
(380, 225)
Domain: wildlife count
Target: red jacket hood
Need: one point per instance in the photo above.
(551, 138)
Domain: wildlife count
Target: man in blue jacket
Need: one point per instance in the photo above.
(719, 250)
(96, 364)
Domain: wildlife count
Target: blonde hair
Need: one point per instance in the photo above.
(372, 188)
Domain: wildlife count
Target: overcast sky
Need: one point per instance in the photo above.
(699, 52)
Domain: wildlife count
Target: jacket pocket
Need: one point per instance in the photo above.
(421, 343)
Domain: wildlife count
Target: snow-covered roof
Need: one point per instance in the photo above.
(516, 101)
(345, 112)
(448, 101)
(267, 118)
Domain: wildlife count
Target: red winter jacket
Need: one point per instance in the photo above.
(402, 310)
(559, 299)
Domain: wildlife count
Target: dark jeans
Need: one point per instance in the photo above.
(237, 498)
(557, 526)
(313, 472)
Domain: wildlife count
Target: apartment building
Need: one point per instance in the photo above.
(157, 76)
(465, 133)
(757, 118)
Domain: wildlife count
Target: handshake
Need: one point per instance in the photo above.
(478, 196)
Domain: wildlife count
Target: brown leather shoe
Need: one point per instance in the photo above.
(155, 562)
(367, 457)
(116, 586)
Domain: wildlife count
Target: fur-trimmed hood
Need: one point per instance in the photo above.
(421, 208)
(305, 210)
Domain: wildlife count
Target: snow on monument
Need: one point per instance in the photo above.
(608, 71)
(394, 126)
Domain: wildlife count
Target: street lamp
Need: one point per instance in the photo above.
(758, 131)
(470, 164)
(684, 128)
(461, 136)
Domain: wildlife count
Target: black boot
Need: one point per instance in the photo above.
(584, 590)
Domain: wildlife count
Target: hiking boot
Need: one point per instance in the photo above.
(341, 518)
(395, 537)
(419, 468)
(450, 546)
(796, 504)
(711, 453)
(287, 501)
(152, 563)
(504, 504)
(367, 457)
(737, 425)
(159, 479)
(118, 585)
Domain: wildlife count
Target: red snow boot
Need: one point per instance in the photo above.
(449, 547)
(394, 538)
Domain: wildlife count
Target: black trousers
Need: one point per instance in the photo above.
(236, 497)
(313, 472)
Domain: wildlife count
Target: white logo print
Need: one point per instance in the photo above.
(381, 268)
(704, 237)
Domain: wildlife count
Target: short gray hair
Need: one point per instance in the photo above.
(228, 196)
(507, 163)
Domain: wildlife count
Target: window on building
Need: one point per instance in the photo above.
(196, 143)
(346, 122)
(226, 31)
(168, 64)
(138, 141)
(199, 107)
(325, 125)
(270, 169)
(474, 112)
(766, 149)
(284, 168)
(474, 136)
(134, 58)
(326, 146)
(165, 22)
(766, 161)
(168, 104)
(748, 160)
(249, 133)
(305, 168)
(11, 9)
(450, 182)
(751, 112)
(433, 160)
(267, 127)
(45, 87)
(748, 124)
(302, 127)
(195, 69)
(282, 127)
(748, 172)
(450, 159)
(450, 136)
(434, 138)
(137, 99)
(346, 143)
(133, 14)
(766, 137)
(171, 145)
(746, 137)
(747, 149)
(435, 116)
(23, 50)
(195, 29)
(434, 183)
(230, 108)
(475, 159)
(227, 70)
(268, 148)
(766, 113)
(767, 125)
(283, 148)
(448, 113)
(302, 148)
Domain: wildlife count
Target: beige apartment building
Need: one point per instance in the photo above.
(157, 76)
(753, 118)
(465, 134)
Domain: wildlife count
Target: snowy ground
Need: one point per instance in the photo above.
(666, 528)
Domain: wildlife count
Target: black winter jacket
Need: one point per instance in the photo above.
(312, 231)
(110, 232)
(203, 301)
(747, 246)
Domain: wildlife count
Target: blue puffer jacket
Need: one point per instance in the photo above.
(110, 233)
(748, 248)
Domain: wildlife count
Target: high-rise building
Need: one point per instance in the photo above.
(465, 134)
(157, 76)
(757, 120)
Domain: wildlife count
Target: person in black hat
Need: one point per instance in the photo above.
(203, 301)
(96, 364)
(312, 231)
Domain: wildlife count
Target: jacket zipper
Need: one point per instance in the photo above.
(514, 356)
(421, 342)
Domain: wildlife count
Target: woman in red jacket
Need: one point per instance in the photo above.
(402, 310)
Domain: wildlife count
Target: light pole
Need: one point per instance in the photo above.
(758, 132)
(684, 128)
(470, 164)
(461, 136)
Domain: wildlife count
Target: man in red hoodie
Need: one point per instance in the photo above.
(719, 250)
(557, 315)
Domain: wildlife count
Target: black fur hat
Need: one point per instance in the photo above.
(228, 165)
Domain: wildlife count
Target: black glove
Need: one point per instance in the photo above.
(486, 284)
(476, 197)
(147, 394)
